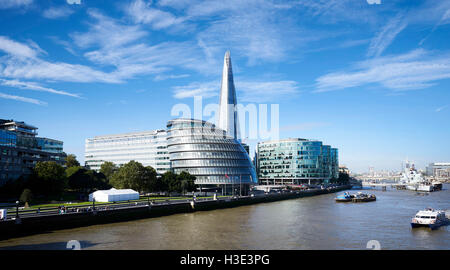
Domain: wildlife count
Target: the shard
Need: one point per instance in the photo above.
(228, 116)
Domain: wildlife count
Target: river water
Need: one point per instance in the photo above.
(308, 223)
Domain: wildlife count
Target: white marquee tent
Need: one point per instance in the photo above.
(114, 195)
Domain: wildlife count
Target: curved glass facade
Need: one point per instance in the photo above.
(205, 151)
(296, 161)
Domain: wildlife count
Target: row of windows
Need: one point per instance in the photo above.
(209, 163)
(204, 147)
(196, 155)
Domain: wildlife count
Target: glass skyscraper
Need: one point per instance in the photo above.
(148, 148)
(296, 161)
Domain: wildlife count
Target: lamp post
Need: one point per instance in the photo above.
(17, 209)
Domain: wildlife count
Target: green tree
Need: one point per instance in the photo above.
(108, 169)
(344, 178)
(187, 182)
(26, 196)
(135, 176)
(84, 180)
(170, 182)
(71, 161)
(49, 178)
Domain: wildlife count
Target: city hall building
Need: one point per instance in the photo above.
(218, 161)
(296, 161)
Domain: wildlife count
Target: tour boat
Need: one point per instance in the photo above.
(346, 197)
(358, 197)
(362, 197)
(429, 218)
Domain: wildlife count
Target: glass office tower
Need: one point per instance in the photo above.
(148, 148)
(218, 161)
(21, 149)
(296, 161)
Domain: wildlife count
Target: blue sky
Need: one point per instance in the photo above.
(369, 79)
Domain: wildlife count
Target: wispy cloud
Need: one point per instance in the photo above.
(441, 108)
(57, 12)
(165, 77)
(23, 99)
(23, 61)
(416, 69)
(16, 49)
(387, 35)
(248, 91)
(204, 89)
(35, 86)
(5, 4)
(260, 91)
(143, 12)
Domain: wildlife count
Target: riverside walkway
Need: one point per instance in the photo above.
(25, 222)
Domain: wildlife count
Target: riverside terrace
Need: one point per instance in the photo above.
(26, 222)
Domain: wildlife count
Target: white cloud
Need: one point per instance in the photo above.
(12, 67)
(5, 4)
(441, 108)
(57, 12)
(113, 43)
(248, 91)
(72, 2)
(165, 77)
(34, 86)
(255, 91)
(15, 48)
(204, 89)
(414, 70)
(107, 32)
(142, 12)
(23, 99)
(387, 35)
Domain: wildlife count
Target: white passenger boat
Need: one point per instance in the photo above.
(429, 218)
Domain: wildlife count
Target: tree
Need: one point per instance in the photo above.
(26, 196)
(84, 180)
(135, 176)
(108, 169)
(170, 182)
(71, 161)
(49, 178)
(344, 178)
(187, 182)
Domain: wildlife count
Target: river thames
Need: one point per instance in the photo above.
(306, 223)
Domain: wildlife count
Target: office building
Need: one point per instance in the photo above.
(21, 149)
(148, 148)
(296, 161)
(439, 170)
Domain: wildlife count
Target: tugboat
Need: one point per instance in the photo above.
(346, 197)
(429, 218)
